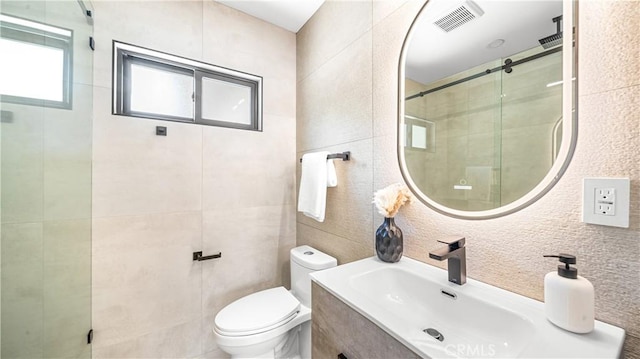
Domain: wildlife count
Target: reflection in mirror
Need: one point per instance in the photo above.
(481, 118)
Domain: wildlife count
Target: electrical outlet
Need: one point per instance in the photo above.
(605, 201)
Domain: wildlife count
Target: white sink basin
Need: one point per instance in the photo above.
(475, 320)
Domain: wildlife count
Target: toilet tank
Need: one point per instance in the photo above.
(304, 260)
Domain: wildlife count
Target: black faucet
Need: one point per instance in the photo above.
(456, 255)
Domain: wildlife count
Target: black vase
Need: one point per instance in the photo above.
(389, 241)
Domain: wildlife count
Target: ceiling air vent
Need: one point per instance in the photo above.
(459, 16)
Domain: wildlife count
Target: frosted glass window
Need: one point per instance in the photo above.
(153, 84)
(23, 64)
(156, 91)
(226, 101)
(35, 63)
(419, 137)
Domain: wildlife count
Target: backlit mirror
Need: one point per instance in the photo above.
(487, 121)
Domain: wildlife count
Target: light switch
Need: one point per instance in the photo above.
(605, 201)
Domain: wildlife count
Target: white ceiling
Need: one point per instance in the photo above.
(288, 14)
(435, 54)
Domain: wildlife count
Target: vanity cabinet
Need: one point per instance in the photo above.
(338, 329)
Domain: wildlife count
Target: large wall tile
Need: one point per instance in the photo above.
(137, 172)
(251, 241)
(608, 33)
(67, 287)
(506, 252)
(158, 199)
(335, 26)
(273, 57)
(388, 37)
(343, 249)
(248, 168)
(22, 290)
(384, 8)
(180, 341)
(342, 114)
(170, 26)
(144, 277)
(67, 158)
(348, 209)
(22, 163)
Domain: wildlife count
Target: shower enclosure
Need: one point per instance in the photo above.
(485, 137)
(45, 178)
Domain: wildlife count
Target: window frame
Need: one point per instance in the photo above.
(41, 37)
(126, 54)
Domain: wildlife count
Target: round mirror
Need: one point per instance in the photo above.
(487, 120)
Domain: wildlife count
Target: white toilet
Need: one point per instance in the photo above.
(273, 323)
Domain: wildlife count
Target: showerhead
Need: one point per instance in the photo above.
(555, 39)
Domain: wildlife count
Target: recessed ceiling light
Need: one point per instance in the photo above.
(496, 43)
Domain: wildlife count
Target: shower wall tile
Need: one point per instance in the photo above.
(67, 149)
(22, 291)
(136, 172)
(67, 287)
(248, 168)
(144, 277)
(334, 27)
(273, 57)
(612, 36)
(34, 10)
(67, 14)
(174, 27)
(344, 113)
(22, 161)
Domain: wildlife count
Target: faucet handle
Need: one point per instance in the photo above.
(454, 242)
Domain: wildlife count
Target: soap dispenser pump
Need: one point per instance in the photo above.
(568, 297)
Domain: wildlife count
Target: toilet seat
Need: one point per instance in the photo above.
(257, 313)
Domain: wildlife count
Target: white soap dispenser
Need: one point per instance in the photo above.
(568, 297)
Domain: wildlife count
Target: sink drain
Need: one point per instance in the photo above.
(434, 333)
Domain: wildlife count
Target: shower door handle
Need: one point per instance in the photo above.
(197, 256)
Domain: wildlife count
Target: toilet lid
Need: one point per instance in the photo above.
(261, 310)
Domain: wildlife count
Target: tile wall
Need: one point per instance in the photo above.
(201, 188)
(46, 207)
(350, 51)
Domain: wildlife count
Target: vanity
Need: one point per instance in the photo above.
(373, 309)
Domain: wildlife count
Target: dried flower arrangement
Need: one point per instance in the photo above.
(389, 199)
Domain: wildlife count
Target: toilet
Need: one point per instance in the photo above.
(273, 323)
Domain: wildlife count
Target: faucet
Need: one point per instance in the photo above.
(456, 255)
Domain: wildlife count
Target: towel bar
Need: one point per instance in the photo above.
(345, 156)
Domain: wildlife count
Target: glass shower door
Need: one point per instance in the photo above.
(45, 179)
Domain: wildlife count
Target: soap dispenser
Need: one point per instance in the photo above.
(568, 297)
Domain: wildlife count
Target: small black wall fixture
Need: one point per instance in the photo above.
(161, 131)
(197, 256)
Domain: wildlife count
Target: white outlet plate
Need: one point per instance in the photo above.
(605, 201)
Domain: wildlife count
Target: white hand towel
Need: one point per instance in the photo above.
(312, 198)
(332, 178)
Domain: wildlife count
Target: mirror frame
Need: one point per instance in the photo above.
(569, 133)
